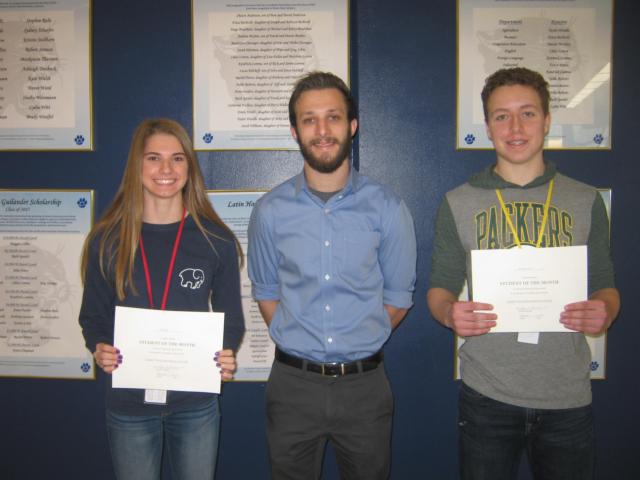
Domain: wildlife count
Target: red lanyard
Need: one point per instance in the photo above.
(173, 260)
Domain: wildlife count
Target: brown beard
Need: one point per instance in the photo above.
(330, 166)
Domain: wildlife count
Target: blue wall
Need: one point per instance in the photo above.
(404, 73)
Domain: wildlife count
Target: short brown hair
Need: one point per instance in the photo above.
(321, 81)
(515, 76)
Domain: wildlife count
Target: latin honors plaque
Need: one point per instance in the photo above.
(567, 42)
(45, 91)
(41, 238)
(257, 351)
(247, 56)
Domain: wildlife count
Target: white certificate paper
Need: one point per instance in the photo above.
(168, 350)
(529, 287)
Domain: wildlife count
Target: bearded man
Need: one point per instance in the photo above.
(332, 258)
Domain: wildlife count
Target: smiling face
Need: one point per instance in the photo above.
(517, 126)
(164, 168)
(323, 129)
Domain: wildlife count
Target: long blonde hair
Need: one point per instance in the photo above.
(120, 226)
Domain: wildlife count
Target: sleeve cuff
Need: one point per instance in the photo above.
(263, 291)
(397, 299)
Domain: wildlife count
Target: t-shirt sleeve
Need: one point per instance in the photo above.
(449, 258)
(601, 273)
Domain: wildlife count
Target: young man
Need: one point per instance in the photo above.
(522, 393)
(332, 260)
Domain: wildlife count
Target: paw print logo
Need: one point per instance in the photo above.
(79, 139)
(82, 202)
(469, 139)
(594, 366)
(85, 367)
(207, 137)
(598, 138)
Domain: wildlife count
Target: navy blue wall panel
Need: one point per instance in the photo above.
(404, 74)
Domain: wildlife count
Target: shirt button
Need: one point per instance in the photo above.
(330, 340)
(327, 243)
(327, 210)
(327, 307)
(327, 276)
(340, 197)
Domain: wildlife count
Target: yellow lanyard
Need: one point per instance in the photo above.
(544, 217)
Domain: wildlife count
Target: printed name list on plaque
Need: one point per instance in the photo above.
(568, 42)
(247, 56)
(45, 86)
(41, 237)
(257, 351)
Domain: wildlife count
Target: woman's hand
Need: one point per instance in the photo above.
(226, 360)
(107, 357)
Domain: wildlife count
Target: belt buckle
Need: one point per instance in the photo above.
(324, 373)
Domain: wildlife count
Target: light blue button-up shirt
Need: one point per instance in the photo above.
(332, 266)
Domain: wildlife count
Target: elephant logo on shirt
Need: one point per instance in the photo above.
(191, 278)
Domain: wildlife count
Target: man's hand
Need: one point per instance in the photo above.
(467, 319)
(395, 315)
(589, 316)
(592, 316)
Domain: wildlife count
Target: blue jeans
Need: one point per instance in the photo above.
(493, 435)
(190, 441)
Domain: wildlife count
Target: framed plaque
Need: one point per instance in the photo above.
(41, 236)
(248, 54)
(569, 43)
(45, 75)
(256, 352)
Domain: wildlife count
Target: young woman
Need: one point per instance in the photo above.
(160, 244)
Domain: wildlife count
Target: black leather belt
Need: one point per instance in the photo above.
(334, 369)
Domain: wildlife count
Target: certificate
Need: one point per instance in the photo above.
(168, 350)
(529, 287)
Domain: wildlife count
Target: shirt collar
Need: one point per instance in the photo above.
(353, 183)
